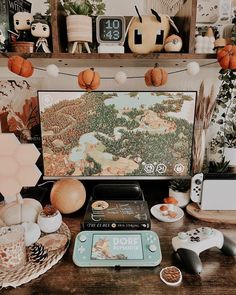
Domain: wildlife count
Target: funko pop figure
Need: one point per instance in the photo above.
(41, 30)
(22, 23)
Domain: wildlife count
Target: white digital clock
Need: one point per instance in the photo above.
(110, 33)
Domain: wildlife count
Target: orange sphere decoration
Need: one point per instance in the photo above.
(156, 77)
(89, 79)
(68, 195)
(20, 66)
(227, 57)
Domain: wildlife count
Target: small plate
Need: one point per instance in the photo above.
(158, 214)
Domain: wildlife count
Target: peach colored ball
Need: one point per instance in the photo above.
(68, 195)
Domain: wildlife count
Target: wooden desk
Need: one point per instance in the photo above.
(218, 275)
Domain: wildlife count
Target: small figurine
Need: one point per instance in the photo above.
(22, 23)
(41, 30)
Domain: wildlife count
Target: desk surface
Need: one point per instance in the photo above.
(218, 275)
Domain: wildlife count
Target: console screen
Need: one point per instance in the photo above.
(116, 134)
(119, 247)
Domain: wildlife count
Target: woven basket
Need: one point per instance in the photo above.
(22, 47)
(32, 270)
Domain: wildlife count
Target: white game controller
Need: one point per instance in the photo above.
(196, 187)
(188, 246)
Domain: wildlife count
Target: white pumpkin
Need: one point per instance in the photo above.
(32, 232)
(17, 212)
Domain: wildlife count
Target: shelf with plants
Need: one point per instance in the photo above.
(185, 20)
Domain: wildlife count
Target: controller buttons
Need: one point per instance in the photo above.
(82, 238)
(195, 239)
(152, 248)
(182, 236)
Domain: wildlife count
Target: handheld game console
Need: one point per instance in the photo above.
(188, 245)
(117, 248)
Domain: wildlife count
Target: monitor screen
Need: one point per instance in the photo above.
(117, 247)
(117, 134)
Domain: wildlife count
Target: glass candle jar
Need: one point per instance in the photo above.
(12, 247)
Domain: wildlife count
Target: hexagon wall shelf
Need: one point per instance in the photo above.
(17, 166)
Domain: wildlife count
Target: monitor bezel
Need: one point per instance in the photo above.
(108, 177)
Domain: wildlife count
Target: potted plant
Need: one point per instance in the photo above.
(180, 190)
(79, 21)
(218, 167)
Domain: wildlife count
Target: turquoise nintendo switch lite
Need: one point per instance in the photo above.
(117, 248)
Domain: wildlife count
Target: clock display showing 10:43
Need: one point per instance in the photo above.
(111, 29)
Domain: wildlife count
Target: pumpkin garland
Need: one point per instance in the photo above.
(227, 57)
(89, 79)
(156, 77)
(20, 66)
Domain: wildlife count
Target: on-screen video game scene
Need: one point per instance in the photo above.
(116, 134)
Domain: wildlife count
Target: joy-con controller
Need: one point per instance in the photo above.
(196, 187)
(188, 246)
(117, 248)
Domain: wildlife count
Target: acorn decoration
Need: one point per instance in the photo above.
(37, 253)
(156, 77)
(89, 79)
(49, 219)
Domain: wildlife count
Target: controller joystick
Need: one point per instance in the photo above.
(189, 245)
(196, 187)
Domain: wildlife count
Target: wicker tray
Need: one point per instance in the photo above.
(31, 270)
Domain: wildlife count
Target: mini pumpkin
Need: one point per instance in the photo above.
(156, 77)
(227, 57)
(20, 66)
(89, 79)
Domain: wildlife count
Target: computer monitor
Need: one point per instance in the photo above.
(117, 135)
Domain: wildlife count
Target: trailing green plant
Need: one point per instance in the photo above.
(84, 7)
(225, 109)
(180, 185)
(218, 167)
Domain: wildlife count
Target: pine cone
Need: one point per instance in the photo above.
(37, 253)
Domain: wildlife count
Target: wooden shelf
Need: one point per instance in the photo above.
(185, 20)
(115, 60)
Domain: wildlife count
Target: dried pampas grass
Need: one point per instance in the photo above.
(204, 109)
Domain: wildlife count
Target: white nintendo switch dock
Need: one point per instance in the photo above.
(214, 193)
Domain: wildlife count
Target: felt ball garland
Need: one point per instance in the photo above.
(89, 79)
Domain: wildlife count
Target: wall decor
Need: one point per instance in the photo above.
(19, 111)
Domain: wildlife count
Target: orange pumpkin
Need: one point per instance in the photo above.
(89, 79)
(227, 57)
(156, 77)
(20, 66)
